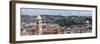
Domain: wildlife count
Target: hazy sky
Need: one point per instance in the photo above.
(37, 11)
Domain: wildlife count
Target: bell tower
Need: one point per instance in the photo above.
(39, 24)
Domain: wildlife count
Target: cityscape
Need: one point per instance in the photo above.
(36, 21)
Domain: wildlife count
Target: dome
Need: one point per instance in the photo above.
(38, 17)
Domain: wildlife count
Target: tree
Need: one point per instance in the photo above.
(71, 20)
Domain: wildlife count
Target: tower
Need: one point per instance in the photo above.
(39, 24)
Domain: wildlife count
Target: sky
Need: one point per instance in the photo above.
(39, 11)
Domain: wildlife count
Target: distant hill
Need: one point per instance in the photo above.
(55, 18)
(45, 18)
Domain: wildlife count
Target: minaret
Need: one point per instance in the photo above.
(39, 24)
